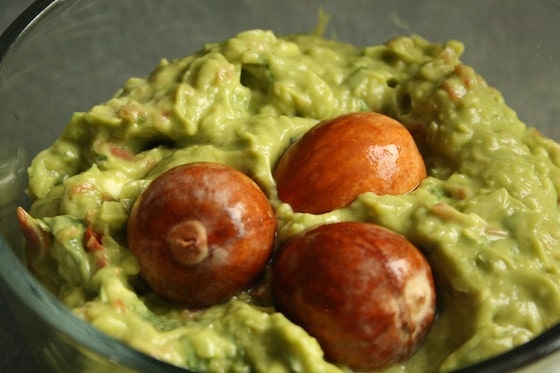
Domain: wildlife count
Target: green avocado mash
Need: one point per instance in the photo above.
(486, 217)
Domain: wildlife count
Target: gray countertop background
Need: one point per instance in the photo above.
(15, 354)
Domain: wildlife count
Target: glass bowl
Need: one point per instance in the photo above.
(59, 57)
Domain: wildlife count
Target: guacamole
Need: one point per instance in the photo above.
(486, 217)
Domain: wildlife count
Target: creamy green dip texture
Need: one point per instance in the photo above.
(486, 217)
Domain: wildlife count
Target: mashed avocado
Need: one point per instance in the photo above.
(486, 217)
